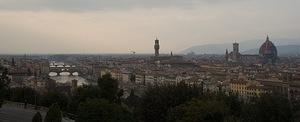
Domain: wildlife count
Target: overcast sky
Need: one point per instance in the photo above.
(117, 26)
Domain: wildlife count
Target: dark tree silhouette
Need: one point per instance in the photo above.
(199, 111)
(55, 97)
(23, 94)
(37, 117)
(108, 87)
(100, 110)
(54, 114)
(4, 81)
(158, 100)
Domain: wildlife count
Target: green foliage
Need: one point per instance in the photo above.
(4, 81)
(232, 101)
(87, 92)
(180, 102)
(109, 87)
(132, 100)
(296, 109)
(174, 103)
(37, 117)
(55, 97)
(53, 114)
(132, 77)
(158, 100)
(199, 111)
(23, 94)
(81, 95)
(100, 110)
(120, 93)
(267, 108)
(273, 108)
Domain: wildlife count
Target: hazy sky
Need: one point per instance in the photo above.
(117, 26)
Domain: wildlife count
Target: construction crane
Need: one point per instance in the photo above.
(133, 52)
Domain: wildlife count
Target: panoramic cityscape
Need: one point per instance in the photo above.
(141, 61)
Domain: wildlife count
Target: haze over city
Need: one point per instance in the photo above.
(102, 26)
(149, 61)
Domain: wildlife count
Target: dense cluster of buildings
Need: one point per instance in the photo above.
(246, 75)
(249, 76)
(267, 54)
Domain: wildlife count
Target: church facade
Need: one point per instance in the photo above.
(267, 54)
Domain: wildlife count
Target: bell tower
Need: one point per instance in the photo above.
(156, 47)
(236, 48)
(236, 51)
(226, 55)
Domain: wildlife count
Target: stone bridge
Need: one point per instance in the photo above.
(64, 68)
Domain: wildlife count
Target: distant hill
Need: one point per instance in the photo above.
(282, 50)
(245, 46)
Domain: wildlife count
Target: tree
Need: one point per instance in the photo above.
(55, 97)
(132, 100)
(53, 114)
(101, 110)
(87, 92)
(23, 94)
(37, 117)
(199, 111)
(108, 87)
(81, 95)
(132, 78)
(4, 81)
(158, 100)
(120, 93)
(272, 108)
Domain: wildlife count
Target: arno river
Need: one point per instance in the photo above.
(65, 77)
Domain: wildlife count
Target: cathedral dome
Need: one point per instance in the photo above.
(268, 49)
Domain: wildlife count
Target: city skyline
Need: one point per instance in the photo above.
(149, 60)
(48, 27)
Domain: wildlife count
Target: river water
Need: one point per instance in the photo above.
(65, 77)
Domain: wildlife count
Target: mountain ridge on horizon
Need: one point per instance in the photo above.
(284, 46)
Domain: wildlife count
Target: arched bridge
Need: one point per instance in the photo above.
(64, 68)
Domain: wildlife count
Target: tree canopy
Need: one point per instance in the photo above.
(37, 117)
(4, 82)
(108, 87)
(101, 110)
(199, 111)
(54, 114)
(158, 100)
(55, 97)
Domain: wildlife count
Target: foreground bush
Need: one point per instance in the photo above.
(101, 110)
(53, 114)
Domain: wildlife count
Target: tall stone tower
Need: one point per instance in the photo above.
(236, 51)
(226, 55)
(156, 47)
(236, 48)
